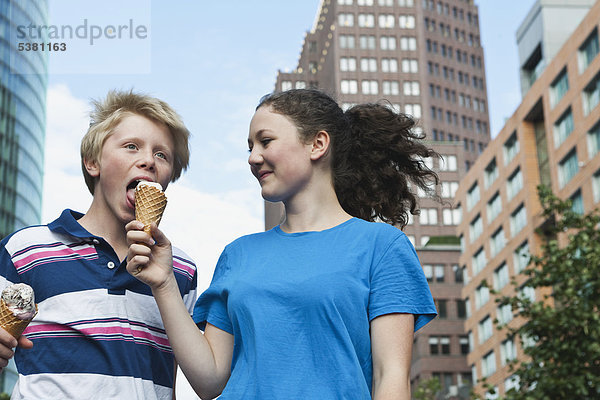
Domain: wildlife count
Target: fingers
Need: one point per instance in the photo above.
(6, 340)
(25, 343)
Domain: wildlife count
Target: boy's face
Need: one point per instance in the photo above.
(138, 149)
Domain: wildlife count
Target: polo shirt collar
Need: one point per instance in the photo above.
(67, 224)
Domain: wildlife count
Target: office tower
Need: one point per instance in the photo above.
(552, 138)
(424, 57)
(543, 32)
(23, 78)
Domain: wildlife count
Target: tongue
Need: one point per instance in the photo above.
(131, 195)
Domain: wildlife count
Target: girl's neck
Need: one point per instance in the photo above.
(313, 211)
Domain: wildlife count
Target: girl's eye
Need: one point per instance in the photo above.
(161, 155)
(265, 141)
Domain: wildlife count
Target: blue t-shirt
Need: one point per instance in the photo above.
(299, 307)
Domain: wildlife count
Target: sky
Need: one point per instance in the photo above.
(211, 61)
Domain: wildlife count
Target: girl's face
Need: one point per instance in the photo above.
(278, 158)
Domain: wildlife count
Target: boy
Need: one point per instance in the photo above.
(98, 332)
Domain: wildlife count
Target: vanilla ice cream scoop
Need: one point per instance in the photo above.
(152, 184)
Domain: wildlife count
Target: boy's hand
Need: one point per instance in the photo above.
(8, 343)
(149, 259)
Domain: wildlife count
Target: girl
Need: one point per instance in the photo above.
(323, 306)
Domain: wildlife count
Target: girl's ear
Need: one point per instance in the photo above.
(320, 145)
(92, 167)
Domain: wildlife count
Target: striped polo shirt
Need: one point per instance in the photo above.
(98, 333)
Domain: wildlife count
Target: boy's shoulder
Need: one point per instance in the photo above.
(27, 237)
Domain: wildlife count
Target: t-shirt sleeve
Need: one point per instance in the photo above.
(8, 271)
(398, 284)
(211, 306)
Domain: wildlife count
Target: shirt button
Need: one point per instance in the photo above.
(96, 241)
(110, 265)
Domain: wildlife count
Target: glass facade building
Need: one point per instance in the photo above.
(23, 81)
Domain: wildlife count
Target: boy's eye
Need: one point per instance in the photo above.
(131, 146)
(265, 141)
(161, 155)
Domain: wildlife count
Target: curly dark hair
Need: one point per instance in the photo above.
(376, 153)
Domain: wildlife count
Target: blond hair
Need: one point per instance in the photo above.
(108, 113)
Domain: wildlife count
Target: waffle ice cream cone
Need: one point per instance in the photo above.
(150, 203)
(17, 308)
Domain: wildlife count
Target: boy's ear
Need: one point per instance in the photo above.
(320, 145)
(92, 167)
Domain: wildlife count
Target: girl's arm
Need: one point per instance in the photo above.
(391, 347)
(205, 359)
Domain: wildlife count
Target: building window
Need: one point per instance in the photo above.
(406, 3)
(407, 43)
(594, 140)
(472, 196)
(347, 64)
(449, 189)
(494, 207)
(410, 66)
(411, 88)
(368, 65)
(591, 95)
(588, 50)
(286, 85)
(518, 220)
(567, 168)
(514, 184)
(451, 216)
(475, 228)
(365, 2)
(458, 273)
(386, 20)
(479, 261)
(511, 382)
(414, 110)
(468, 307)
(488, 364)
(464, 345)
(482, 296)
(389, 65)
(521, 257)
(366, 20)
(461, 310)
(391, 87)
(439, 273)
(369, 87)
(508, 351)
(511, 148)
(577, 203)
(347, 42)
(434, 345)
(388, 3)
(428, 216)
(596, 186)
(563, 128)
(445, 344)
(346, 19)
(349, 86)
(345, 2)
(428, 271)
(497, 242)
(501, 277)
(442, 308)
(504, 314)
(559, 88)
(300, 85)
(448, 163)
(485, 329)
(367, 42)
(490, 174)
(387, 42)
(406, 21)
